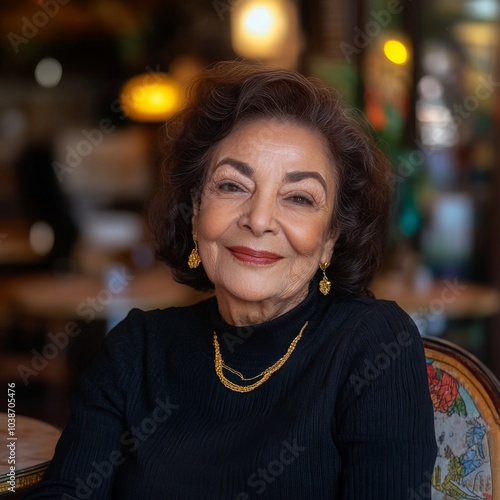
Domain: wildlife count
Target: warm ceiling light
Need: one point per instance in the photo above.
(395, 51)
(259, 29)
(259, 21)
(150, 97)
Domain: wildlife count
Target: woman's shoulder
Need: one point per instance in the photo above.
(156, 326)
(379, 341)
(371, 322)
(169, 315)
(365, 307)
(378, 307)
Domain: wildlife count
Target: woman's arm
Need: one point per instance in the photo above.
(94, 441)
(384, 418)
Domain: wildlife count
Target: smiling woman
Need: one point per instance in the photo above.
(234, 94)
(267, 185)
(263, 223)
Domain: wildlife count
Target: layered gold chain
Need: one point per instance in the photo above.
(220, 366)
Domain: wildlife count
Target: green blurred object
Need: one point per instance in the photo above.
(342, 76)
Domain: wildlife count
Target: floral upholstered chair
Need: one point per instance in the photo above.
(466, 398)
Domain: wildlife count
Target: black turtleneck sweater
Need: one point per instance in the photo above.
(348, 416)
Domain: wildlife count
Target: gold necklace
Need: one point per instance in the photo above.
(220, 366)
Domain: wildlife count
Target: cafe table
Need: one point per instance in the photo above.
(27, 444)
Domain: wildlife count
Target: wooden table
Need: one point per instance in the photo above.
(34, 449)
(452, 298)
(63, 296)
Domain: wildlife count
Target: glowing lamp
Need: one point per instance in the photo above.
(395, 51)
(260, 29)
(150, 97)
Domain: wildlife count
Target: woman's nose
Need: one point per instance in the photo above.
(260, 214)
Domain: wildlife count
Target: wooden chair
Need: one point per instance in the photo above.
(466, 398)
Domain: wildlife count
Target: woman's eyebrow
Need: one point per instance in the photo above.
(297, 176)
(241, 166)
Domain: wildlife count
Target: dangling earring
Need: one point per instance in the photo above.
(194, 259)
(324, 284)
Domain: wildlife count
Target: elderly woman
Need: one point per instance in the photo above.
(291, 382)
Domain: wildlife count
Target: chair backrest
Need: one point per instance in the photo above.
(466, 399)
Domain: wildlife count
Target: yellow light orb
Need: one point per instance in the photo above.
(259, 21)
(395, 51)
(150, 97)
(260, 29)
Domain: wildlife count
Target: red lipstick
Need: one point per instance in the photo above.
(250, 255)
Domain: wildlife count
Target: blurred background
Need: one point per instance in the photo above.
(85, 86)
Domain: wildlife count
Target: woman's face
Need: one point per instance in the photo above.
(263, 223)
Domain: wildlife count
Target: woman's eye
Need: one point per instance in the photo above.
(301, 200)
(228, 187)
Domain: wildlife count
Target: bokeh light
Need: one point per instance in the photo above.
(48, 72)
(395, 51)
(150, 97)
(259, 29)
(41, 238)
(259, 21)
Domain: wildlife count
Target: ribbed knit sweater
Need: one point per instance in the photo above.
(348, 416)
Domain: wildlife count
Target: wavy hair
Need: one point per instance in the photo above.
(231, 93)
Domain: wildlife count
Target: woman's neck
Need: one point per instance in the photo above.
(237, 312)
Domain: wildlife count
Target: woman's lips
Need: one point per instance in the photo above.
(261, 257)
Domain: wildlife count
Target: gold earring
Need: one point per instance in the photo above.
(194, 259)
(324, 284)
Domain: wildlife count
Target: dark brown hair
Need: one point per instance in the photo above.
(231, 93)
